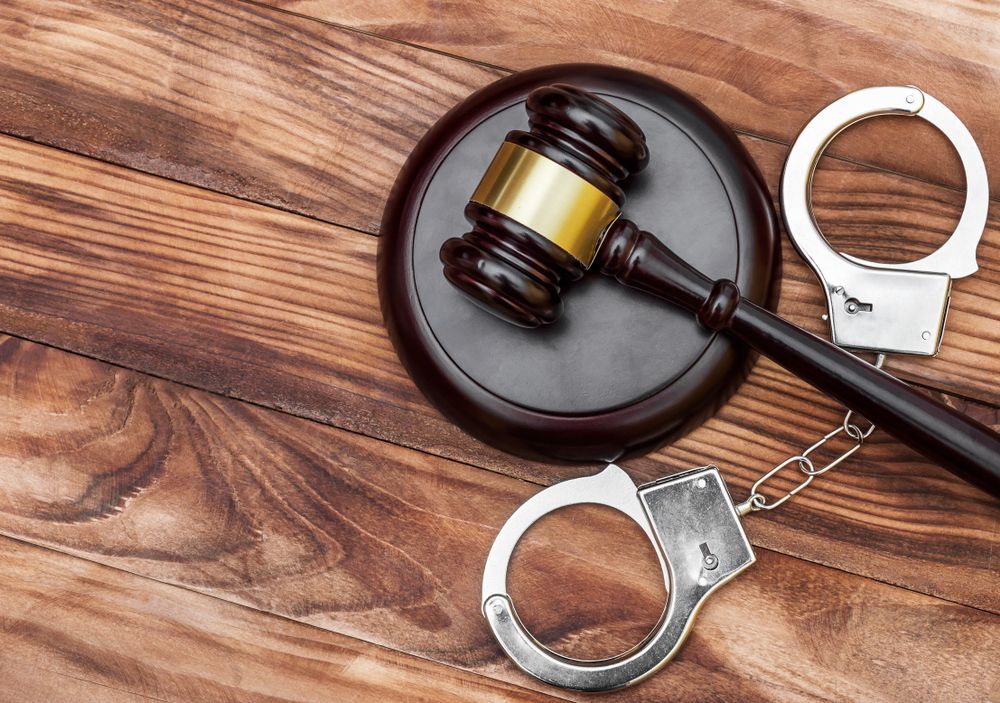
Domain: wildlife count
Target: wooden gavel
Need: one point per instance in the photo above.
(548, 208)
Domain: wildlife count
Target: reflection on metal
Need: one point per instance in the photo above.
(693, 526)
(873, 306)
(549, 199)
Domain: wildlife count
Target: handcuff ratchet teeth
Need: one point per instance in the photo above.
(696, 533)
(875, 306)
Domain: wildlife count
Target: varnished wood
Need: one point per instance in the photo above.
(766, 68)
(230, 96)
(967, 448)
(283, 311)
(624, 374)
(316, 119)
(275, 512)
(504, 266)
(338, 164)
(315, 77)
(514, 272)
(72, 631)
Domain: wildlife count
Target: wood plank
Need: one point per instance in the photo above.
(189, 124)
(385, 544)
(765, 67)
(281, 310)
(229, 96)
(301, 297)
(27, 684)
(317, 119)
(75, 631)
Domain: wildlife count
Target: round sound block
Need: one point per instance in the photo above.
(620, 372)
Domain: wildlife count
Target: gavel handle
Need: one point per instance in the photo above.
(964, 447)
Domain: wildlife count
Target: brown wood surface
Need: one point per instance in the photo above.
(282, 311)
(73, 631)
(65, 83)
(302, 146)
(337, 163)
(287, 516)
(766, 66)
(331, 518)
(229, 96)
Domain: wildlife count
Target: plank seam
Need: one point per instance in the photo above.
(457, 461)
(951, 392)
(510, 71)
(56, 550)
(151, 174)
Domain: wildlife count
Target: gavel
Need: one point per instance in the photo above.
(549, 208)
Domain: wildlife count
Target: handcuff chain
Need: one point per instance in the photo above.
(758, 501)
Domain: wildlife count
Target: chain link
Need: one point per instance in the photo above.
(806, 465)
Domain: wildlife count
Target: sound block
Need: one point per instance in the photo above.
(621, 372)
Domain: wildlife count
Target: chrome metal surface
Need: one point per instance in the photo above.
(758, 501)
(693, 526)
(875, 306)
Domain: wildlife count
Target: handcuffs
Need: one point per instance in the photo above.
(690, 519)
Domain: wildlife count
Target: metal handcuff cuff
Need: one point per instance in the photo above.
(690, 519)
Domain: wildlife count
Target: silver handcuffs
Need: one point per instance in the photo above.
(884, 307)
(690, 519)
(696, 533)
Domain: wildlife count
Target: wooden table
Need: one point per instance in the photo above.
(217, 482)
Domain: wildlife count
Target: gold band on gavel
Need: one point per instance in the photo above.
(547, 198)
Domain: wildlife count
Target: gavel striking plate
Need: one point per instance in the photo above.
(618, 374)
(549, 208)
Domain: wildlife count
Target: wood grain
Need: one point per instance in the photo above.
(75, 631)
(310, 117)
(766, 67)
(188, 124)
(336, 159)
(304, 296)
(273, 308)
(378, 542)
(386, 544)
(228, 96)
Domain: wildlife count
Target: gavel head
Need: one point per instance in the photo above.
(543, 205)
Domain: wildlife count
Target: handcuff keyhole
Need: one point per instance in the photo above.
(853, 306)
(586, 582)
(708, 561)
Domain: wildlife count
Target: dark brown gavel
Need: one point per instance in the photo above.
(548, 208)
